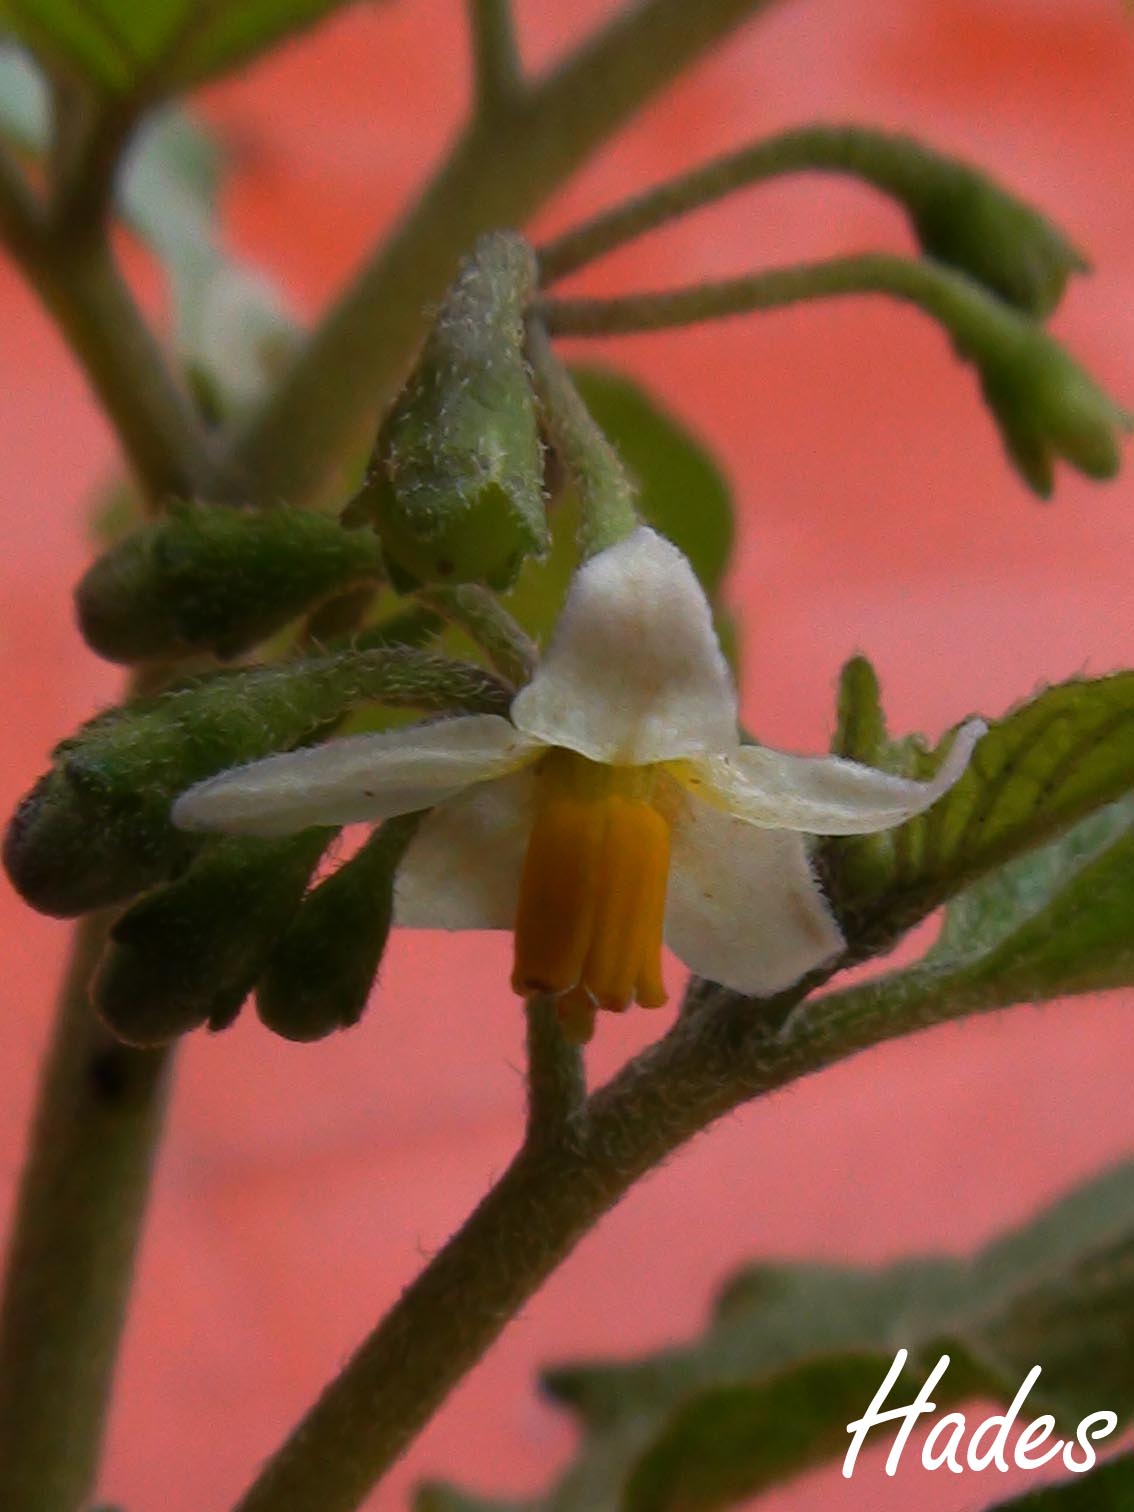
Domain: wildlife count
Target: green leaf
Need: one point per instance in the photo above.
(1045, 765)
(681, 492)
(1108, 1488)
(156, 47)
(795, 1352)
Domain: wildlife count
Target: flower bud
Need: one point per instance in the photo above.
(321, 971)
(209, 578)
(963, 218)
(97, 829)
(191, 952)
(455, 483)
(64, 859)
(960, 216)
(1047, 407)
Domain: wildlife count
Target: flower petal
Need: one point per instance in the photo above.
(361, 778)
(634, 673)
(823, 795)
(744, 908)
(462, 868)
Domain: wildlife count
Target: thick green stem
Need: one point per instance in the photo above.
(78, 1219)
(500, 172)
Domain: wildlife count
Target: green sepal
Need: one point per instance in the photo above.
(209, 578)
(191, 952)
(454, 487)
(320, 973)
(96, 829)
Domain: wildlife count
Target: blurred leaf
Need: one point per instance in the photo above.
(24, 108)
(231, 328)
(124, 47)
(1109, 1488)
(682, 493)
(1044, 766)
(795, 1352)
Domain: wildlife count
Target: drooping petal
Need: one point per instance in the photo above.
(462, 868)
(823, 795)
(360, 778)
(634, 673)
(744, 908)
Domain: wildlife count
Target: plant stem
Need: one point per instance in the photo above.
(553, 1192)
(959, 304)
(496, 61)
(78, 1218)
(72, 270)
(896, 164)
(500, 171)
(557, 1087)
(606, 494)
(480, 614)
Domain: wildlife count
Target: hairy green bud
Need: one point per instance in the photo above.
(321, 971)
(192, 951)
(455, 486)
(96, 829)
(209, 578)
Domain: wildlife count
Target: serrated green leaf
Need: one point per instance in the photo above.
(1108, 1488)
(793, 1353)
(1053, 923)
(1045, 765)
(125, 47)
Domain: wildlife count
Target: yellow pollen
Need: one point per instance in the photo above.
(592, 894)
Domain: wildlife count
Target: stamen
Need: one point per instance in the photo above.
(592, 894)
(559, 892)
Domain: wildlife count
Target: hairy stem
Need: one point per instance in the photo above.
(554, 1191)
(950, 298)
(499, 173)
(891, 163)
(79, 1215)
(557, 1087)
(606, 494)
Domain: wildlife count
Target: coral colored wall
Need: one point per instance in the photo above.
(301, 1186)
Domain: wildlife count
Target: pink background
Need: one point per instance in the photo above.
(301, 1186)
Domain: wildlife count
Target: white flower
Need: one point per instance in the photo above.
(615, 806)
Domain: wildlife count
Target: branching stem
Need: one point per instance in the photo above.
(499, 173)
